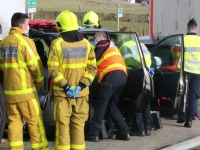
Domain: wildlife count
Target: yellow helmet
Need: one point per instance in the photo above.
(66, 21)
(91, 19)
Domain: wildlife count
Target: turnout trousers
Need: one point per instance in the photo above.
(110, 89)
(70, 115)
(194, 93)
(31, 112)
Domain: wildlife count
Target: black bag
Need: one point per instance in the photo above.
(156, 120)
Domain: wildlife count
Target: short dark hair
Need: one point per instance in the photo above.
(18, 18)
(125, 29)
(192, 24)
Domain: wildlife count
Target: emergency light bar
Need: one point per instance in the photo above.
(43, 25)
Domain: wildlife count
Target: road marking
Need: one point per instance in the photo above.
(194, 142)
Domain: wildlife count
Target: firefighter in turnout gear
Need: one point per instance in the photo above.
(72, 65)
(91, 20)
(22, 73)
(192, 69)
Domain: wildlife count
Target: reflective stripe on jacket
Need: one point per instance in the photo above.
(132, 59)
(21, 66)
(71, 63)
(110, 60)
(192, 54)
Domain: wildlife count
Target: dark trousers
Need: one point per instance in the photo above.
(141, 121)
(110, 89)
(194, 93)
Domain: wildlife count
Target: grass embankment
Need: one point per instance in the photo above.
(134, 16)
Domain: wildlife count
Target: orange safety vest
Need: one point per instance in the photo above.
(110, 60)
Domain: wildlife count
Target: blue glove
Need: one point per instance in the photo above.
(76, 91)
(152, 71)
(70, 92)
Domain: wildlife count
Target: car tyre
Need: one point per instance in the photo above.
(2, 113)
(198, 107)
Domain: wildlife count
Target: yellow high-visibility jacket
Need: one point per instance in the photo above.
(131, 56)
(71, 63)
(21, 66)
(192, 54)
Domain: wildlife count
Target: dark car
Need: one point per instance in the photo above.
(165, 91)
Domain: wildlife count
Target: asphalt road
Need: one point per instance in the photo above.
(171, 134)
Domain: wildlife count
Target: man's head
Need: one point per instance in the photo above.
(66, 21)
(20, 20)
(192, 26)
(125, 37)
(100, 36)
(91, 20)
(125, 29)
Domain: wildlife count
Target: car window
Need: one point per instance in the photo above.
(167, 53)
(127, 44)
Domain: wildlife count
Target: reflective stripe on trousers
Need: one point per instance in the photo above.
(70, 115)
(31, 112)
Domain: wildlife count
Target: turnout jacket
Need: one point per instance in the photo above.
(21, 66)
(71, 63)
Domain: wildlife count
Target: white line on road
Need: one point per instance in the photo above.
(194, 142)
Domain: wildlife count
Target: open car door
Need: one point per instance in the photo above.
(170, 81)
(139, 88)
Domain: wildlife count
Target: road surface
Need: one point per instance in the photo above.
(170, 135)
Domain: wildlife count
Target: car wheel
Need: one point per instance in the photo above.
(198, 107)
(2, 112)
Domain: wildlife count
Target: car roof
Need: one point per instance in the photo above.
(95, 30)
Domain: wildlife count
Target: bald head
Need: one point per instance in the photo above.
(101, 35)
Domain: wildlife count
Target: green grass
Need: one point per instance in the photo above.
(99, 6)
(140, 28)
(107, 11)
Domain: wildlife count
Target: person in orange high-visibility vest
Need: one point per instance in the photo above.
(112, 76)
(22, 73)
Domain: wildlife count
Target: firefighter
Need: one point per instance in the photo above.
(72, 65)
(22, 74)
(141, 122)
(192, 69)
(91, 20)
(111, 68)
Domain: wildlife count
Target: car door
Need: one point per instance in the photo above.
(42, 41)
(139, 88)
(170, 81)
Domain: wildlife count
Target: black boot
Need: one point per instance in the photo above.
(147, 132)
(137, 133)
(188, 122)
(92, 138)
(125, 137)
(181, 118)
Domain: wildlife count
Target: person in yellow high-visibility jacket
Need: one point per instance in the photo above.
(192, 69)
(22, 73)
(72, 65)
(141, 122)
